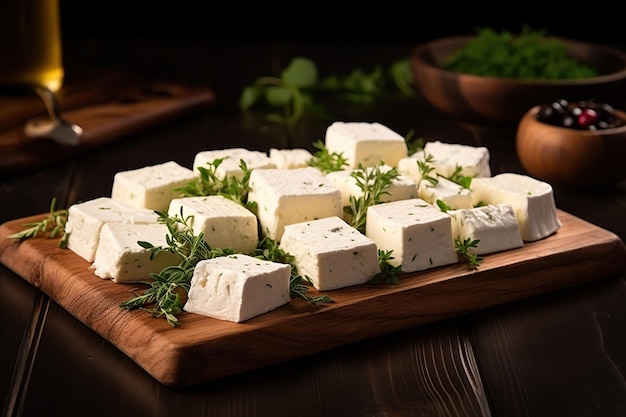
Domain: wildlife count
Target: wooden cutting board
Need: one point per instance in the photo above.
(204, 349)
(108, 106)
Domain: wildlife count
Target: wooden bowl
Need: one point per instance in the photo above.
(576, 159)
(490, 101)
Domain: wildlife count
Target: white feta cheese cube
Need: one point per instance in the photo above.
(331, 253)
(286, 196)
(232, 157)
(225, 223)
(451, 193)
(85, 221)
(237, 287)
(495, 226)
(290, 158)
(401, 187)
(151, 187)
(120, 258)
(419, 234)
(366, 144)
(532, 199)
(409, 166)
(473, 160)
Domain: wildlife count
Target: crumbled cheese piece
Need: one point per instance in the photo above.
(473, 160)
(290, 158)
(331, 253)
(231, 163)
(237, 287)
(495, 226)
(419, 234)
(286, 196)
(451, 193)
(532, 199)
(85, 221)
(225, 223)
(151, 187)
(120, 258)
(366, 144)
(401, 187)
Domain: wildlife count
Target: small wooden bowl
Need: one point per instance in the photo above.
(501, 102)
(576, 159)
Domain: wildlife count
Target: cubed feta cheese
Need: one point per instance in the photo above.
(451, 193)
(120, 258)
(532, 199)
(225, 223)
(238, 287)
(331, 253)
(151, 187)
(401, 187)
(473, 160)
(367, 144)
(85, 221)
(409, 166)
(290, 158)
(419, 234)
(495, 226)
(232, 157)
(286, 196)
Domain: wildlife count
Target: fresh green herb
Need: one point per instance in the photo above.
(413, 145)
(388, 274)
(286, 98)
(463, 180)
(327, 161)
(231, 187)
(463, 246)
(442, 205)
(425, 166)
(529, 55)
(374, 184)
(53, 225)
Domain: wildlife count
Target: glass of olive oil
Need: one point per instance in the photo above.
(30, 45)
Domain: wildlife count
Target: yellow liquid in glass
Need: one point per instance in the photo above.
(30, 44)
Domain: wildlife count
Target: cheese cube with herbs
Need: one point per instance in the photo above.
(331, 253)
(120, 258)
(532, 200)
(419, 234)
(85, 221)
(454, 195)
(473, 160)
(237, 288)
(409, 166)
(366, 144)
(230, 166)
(286, 196)
(290, 158)
(400, 188)
(151, 187)
(225, 223)
(495, 226)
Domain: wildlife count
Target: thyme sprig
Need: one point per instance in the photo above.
(374, 183)
(53, 226)
(327, 161)
(463, 247)
(388, 274)
(232, 187)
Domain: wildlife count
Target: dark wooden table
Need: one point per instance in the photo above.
(562, 353)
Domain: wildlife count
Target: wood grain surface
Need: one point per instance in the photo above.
(108, 106)
(204, 349)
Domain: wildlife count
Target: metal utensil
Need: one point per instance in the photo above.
(54, 126)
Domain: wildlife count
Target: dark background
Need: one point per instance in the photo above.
(318, 21)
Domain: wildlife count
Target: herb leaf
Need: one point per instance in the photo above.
(53, 225)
